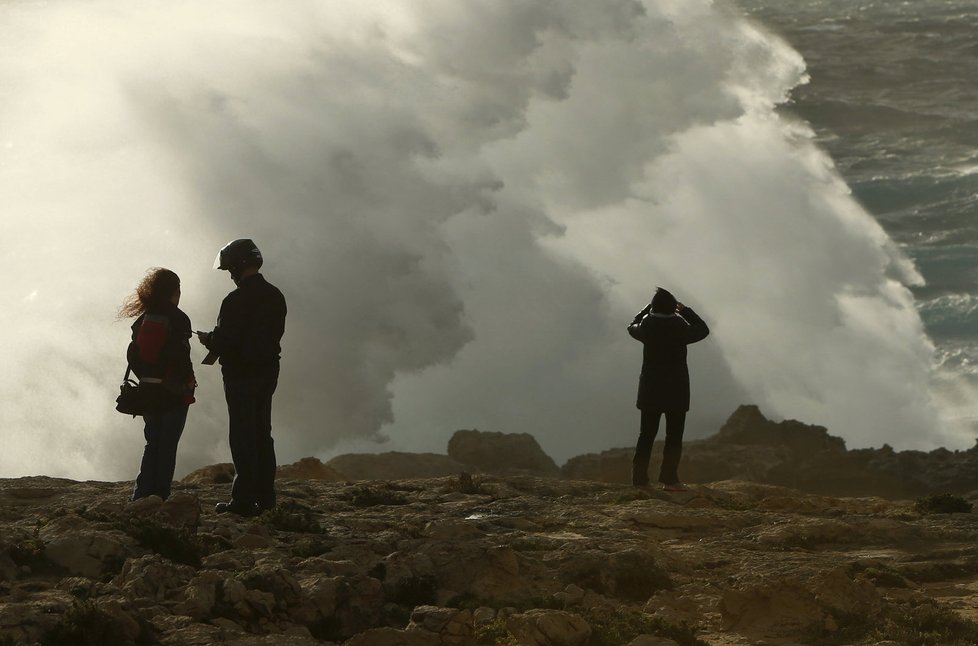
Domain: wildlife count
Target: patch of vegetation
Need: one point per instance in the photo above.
(375, 495)
(944, 503)
(468, 601)
(494, 633)
(465, 483)
(176, 544)
(84, 624)
(290, 516)
(924, 624)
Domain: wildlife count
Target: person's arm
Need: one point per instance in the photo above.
(697, 330)
(229, 332)
(635, 327)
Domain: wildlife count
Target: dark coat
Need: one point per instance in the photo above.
(250, 328)
(664, 382)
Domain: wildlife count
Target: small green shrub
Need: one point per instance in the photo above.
(292, 517)
(494, 633)
(176, 544)
(373, 496)
(465, 483)
(944, 503)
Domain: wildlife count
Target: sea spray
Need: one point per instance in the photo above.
(464, 204)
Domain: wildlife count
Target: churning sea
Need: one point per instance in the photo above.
(893, 98)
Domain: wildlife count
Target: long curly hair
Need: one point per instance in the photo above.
(153, 290)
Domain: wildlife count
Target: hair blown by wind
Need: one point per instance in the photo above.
(154, 289)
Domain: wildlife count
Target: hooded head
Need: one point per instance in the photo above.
(663, 302)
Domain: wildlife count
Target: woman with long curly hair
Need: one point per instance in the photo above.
(159, 355)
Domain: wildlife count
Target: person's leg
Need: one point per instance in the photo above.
(675, 425)
(171, 428)
(146, 480)
(265, 445)
(643, 449)
(242, 426)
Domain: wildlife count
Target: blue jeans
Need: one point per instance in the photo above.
(162, 432)
(249, 401)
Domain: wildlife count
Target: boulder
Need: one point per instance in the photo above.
(395, 465)
(502, 453)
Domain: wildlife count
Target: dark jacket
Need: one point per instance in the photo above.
(664, 382)
(249, 329)
(169, 382)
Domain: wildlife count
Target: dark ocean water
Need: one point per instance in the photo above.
(893, 98)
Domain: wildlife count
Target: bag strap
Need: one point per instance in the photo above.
(125, 378)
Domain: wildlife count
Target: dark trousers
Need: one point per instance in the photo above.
(162, 432)
(669, 472)
(249, 401)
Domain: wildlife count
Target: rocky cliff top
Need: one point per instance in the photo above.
(487, 559)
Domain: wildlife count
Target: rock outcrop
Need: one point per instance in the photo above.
(802, 456)
(443, 562)
(501, 453)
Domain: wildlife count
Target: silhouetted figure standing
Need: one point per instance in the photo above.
(159, 355)
(665, 327)
(247, 340)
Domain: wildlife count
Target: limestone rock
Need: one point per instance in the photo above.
(495, 452)
(395, 465)
(549, 628)
(74, 545)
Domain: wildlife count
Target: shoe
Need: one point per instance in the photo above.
(676, 486)
(233, 508)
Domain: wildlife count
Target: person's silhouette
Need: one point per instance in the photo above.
(665, 327)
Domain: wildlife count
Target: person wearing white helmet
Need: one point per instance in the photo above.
(247, 340)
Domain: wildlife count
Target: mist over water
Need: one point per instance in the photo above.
(464, 207)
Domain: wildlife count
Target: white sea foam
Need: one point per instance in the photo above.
(464, 203)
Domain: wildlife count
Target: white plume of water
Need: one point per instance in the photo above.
(464, 205)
